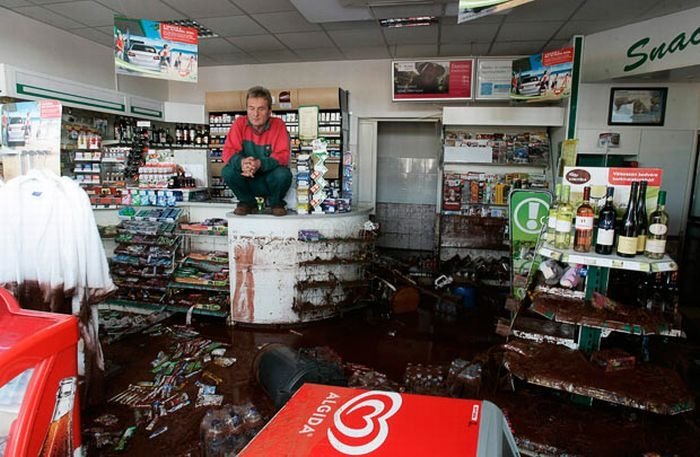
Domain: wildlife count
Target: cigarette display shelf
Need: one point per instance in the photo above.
(157, 306)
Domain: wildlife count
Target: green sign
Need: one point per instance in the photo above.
(679, 43)
(528, 211)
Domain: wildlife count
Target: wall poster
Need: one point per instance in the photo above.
(423, 80)
(493, 79)
(545, 76)
(155, 49)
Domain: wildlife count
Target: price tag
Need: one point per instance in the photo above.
(617, 264)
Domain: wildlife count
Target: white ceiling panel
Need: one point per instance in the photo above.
(414, 50)
(384, 12)
(464, 50)
(316, 54)
(234, 58)
(557, 44)
(95, 35)
(594, 10)
(523, 31)
(232, 26)
(412, 35)
(351, 25)
(206, 61)
(49, 17)
(257, 43)
(264, 6)
(545, 10)
(284, 55)
(212, 46)
(210, 8)
(352, 38)
(366, 52)
(86, 12)
(306, 40)
(572, 28)
(468, 32)
(14, 3)
(289, 21)
(154, 10)
(510, 48)
(44, 2)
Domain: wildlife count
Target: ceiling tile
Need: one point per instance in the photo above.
(44, 2)
(14, 3)
(311, 55)
(515, 48)
(366, 52)
(306, 40)
(412, 35)
(351, 25)
(232, 26)
(211, 46)
(384, 12)
(352, 38)
(528, 31)
(235, 58)
(49, 17)
(283, 55)
(557, 44)
(257, 43)
(264, 6)
(414, 50)
(208, 8)
(572, 28)
(545, 10)
(670, 7)
(205, 61)
(95, 35)
(87, 12)
(464, 50)
(290, 21)
(154, 10)
(594, 10)
(468, 32)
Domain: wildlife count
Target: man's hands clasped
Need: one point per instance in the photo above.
(249, 166)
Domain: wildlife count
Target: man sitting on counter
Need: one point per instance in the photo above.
(256, 154)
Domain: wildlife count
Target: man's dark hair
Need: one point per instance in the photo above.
(259, 92)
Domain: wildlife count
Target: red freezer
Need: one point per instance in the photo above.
(336, 421)
(39, 413)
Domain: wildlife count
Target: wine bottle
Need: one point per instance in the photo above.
(605, 237)
(583, 238)
(565, 214)
(178, 134)
(552, 219)
(642, 223)
(627, 239)
(658, 228)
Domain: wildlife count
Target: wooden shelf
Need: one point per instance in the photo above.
(646, 387)
(638, 263)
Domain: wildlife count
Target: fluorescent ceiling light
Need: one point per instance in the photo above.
(418, 21)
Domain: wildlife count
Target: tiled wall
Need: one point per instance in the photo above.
(406, 226)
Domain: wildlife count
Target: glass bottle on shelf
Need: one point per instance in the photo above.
(565, 214)
(583, 238)
(178, 134)
(642, 218)
(627, 239)
(552, 218)
(605, 236)
(658, 229)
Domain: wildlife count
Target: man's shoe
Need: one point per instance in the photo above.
(243, 209)
(279, 211)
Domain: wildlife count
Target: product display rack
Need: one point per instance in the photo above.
(564, 364)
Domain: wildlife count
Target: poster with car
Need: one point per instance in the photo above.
(424, 80)
(30, 137)
(545, 76)
(155, 49)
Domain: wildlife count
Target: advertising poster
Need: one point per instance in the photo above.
(31, 137)
(155, 49)
(423, 80)
(545, 76)
(493, 79)
(474, 9)
(599, 178)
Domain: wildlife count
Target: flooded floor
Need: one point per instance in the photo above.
(388, 345)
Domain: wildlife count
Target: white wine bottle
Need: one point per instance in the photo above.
(565, 215)
(658, 229)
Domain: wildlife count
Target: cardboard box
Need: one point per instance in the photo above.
(336, 421)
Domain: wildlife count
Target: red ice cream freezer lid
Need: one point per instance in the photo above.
(336, 421)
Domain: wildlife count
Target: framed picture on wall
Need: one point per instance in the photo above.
(637, 106)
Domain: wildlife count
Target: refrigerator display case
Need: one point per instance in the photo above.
(39, 411)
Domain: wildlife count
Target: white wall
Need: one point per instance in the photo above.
(671, 147)
(32, 45)
(368, 81)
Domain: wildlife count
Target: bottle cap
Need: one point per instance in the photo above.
(662, 197)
